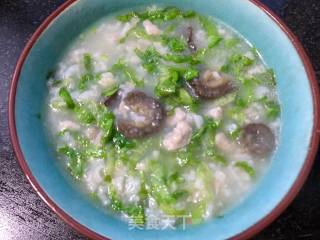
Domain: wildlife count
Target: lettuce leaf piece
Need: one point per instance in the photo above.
(122, 67)
(83, 114)
(120, 141)
(127, 17)
(135, 212)
(192, 59)
(88, 76)
(246, 167)
(190, 73)
(176, 178)
(272, 108)
(237, 64)
(84, 80)
(189, 14)
(95, 152)
(83, 145)
(219, 158)
(236, 113)
(158, 189)
(209, 126)
(180, 58)
(168, 82)
(106, 123)
(66, 96)
(110, 90)
(232, 42)
(177, 44)
(150, 58)
(198, 209)
(185, 98)
(267, 77)
(211, 29)
(182, 98)
(157, 14)
(76, 160)
(246, 94)
(152, 14)
(88, 62)
(180, 194)
(202, 144)
(235, 133)
(225, 100)
(139, 32)
(171, 13)
(241, 60)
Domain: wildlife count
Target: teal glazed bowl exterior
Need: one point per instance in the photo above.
(298, 93)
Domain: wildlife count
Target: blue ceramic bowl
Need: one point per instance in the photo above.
(289, 168)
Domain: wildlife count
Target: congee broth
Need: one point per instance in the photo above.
(163, 112)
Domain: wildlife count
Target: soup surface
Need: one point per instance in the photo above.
(163, 113)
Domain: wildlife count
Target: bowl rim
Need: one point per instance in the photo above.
(247, 233)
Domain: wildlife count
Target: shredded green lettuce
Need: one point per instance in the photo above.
(122, 67)
(157, 14)
(272, 108)
(76, 160)
(246, 167)
(231, 43)
(150, 58)
(135, 212)
(159, 190)
(83, 114)
(168, 81)
(237, 64)
(66, 96)
(211, 29)
(267, 77)
(110, 90)
(176, 44)
(88, 76)
(190, 73)
(120, 141)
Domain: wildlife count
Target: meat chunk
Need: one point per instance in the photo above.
(178, 116)
(67, 124)
(224, 144)
(106, 80)
(150, 28)
(179, 137)
(254, 113)
(215, 113)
